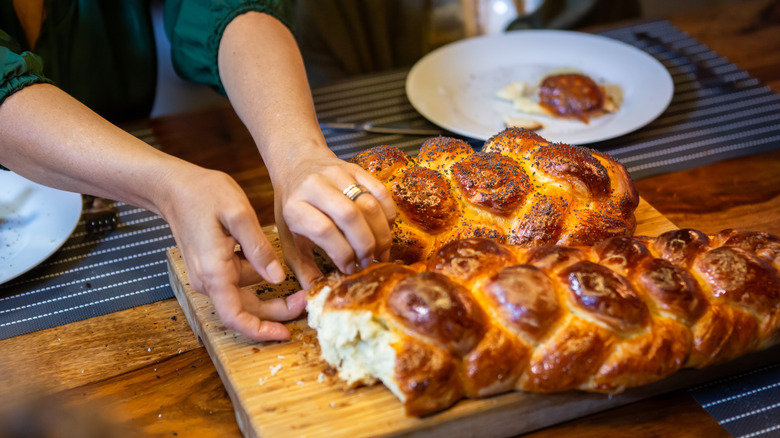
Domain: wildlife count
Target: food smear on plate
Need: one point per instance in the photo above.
(566, 94)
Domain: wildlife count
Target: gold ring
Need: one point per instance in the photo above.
(354, 190)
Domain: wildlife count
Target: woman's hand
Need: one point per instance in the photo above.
(208, 218)
(311, 209)
(264, 77)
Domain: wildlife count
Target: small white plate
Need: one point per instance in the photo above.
(455, 86)
(35, 221)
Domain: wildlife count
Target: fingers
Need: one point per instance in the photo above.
(243, 311)
(256, 248)
(346, 236)
(277, 309)
(379, 192)
(305, 220)
(376, 215)
(207, 237)
(299, 255)
(350, 232)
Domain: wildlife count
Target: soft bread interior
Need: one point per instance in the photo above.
(355, 342)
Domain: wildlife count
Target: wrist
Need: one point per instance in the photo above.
(287, 158)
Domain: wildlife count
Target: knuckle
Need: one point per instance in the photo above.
(319, 229)
(371, 205)
(349, 215)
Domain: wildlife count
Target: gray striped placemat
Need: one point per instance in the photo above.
(91, 276)
(746, 405)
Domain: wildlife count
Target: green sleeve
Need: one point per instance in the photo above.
(17, 69)
(195, 27)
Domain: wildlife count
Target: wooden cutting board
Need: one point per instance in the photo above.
(279, 389)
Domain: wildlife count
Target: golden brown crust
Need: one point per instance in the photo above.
(605, 295)
(368, 291)
(409, 243)
(424, 195)
(723, 333)
(731, 271)
(523, 299)
(519, 189)
(514, 142)
(427, 377)
(440, 153)
(492, 181)
(573, 165)
(543, 223)
(466, 228)
(464, 259)
(644, 359)
(433, 306)
(672, 288)
(681, 246)
(481, 318)
(382, 161)
(620, 253)
(569, 359)
(494, 366)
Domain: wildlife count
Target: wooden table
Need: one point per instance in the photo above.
(143, 368)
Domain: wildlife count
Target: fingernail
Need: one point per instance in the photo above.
(275, 272)
(366, 262)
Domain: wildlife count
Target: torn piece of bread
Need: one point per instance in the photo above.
(613, 97)
(357, 343)
(515, 90)
(529, 106)
(522, 122)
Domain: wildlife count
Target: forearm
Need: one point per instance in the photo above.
(49, 137)
(262, 70)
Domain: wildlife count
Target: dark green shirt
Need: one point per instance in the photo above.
(102, 52)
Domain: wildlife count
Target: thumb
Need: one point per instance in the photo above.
(262, 256)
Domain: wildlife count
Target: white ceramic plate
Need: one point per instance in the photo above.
(455, 86)
(35, 221)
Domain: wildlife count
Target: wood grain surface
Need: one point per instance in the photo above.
(144, 368)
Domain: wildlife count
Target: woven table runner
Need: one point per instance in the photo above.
(746, 405)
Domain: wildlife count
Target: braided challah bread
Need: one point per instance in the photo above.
(519, 189)
(480, 318)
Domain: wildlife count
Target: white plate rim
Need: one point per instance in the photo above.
(427, 85)
(56, 215)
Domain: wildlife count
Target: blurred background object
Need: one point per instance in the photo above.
(345, 38)
(47, 416)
